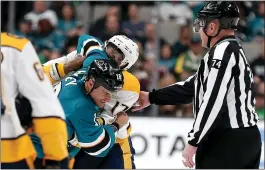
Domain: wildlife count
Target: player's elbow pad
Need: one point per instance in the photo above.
(53, 134)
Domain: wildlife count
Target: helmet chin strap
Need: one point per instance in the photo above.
(125, 65)
(209, 38)
(93, 88)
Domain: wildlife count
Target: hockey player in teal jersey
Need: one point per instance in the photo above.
(81, 100)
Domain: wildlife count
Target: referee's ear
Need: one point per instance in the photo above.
(213, 27)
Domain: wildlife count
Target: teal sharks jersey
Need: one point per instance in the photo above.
(84, 132)
(92, 48)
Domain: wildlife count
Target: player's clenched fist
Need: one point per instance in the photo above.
(122, 119)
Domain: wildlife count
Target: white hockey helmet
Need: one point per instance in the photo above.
(128, 48)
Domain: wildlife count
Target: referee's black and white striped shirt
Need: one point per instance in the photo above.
(221, 91)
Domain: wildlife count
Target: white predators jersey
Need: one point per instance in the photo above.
(122, 101)
(21, 72)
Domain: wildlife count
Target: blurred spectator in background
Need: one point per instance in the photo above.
(260, 100)
(112, 27)
(186, 65)
(144, 74)
(99, 25)
(167, 110)
(148, 41)
(182, 44)
(257, 24)
(67, 23)
(257, 67)
(57, 6)
(48, 37)
(24, 29)
(78, 31)
(46, 53)
(242, 32)
(133, 27)
(4, 15)
(188, 62)
(141, 69)
(70, 45)
(166, 60)
(141, 50)
(40, 11)
(177, 11)
(195, 6)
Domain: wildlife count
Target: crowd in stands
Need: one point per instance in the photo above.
(54, 30)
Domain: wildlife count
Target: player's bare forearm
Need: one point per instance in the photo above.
(73, 65)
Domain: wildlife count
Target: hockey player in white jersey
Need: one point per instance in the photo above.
(22, 73)
(121, 155)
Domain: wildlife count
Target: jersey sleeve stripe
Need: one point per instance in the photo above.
(99, 151)
(97, 148)
(99, 140)
(90, 44)
(46, 117)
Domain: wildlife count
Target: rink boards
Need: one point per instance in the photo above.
(158, 142)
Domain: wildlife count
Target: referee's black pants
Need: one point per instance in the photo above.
(230, 149)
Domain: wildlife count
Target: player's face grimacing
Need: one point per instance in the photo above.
(100, 96)
(115, 53)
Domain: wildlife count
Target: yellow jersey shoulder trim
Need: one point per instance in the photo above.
(13, 41)
(131, 83)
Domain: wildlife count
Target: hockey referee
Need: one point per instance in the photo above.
(225, 132)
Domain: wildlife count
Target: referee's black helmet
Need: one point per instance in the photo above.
(226, 12)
